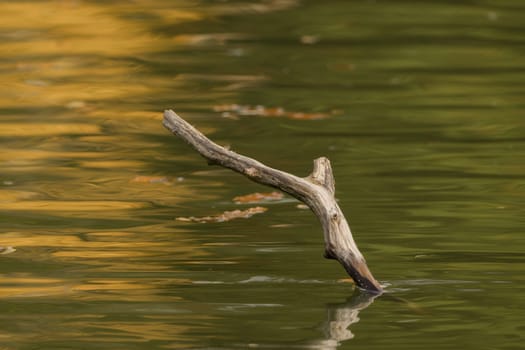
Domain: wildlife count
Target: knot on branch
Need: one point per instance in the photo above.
(252, 172)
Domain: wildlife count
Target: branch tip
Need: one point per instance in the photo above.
(322, 174)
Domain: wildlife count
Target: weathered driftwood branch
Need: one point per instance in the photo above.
(316, 190)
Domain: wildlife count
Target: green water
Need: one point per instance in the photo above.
(419, 106)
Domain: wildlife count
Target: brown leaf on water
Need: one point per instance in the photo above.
(309, 39)
(226, 216)
(235, 110)
(307, 116)
(150, 179)
(258, 197)
(207, 38)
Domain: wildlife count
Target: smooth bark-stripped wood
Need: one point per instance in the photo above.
(316, 191)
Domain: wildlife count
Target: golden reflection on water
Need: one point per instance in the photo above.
(104, 254)
(83, 27)
(115, 196)
(66, 54)
(69, 206)
(15, 156)
(31, 287)
(77, 55)
(44, 129)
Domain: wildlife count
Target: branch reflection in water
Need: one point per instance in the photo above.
(339, 318)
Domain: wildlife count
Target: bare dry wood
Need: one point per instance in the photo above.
(316, 191)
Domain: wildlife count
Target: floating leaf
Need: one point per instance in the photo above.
(207, 39)
(309, 39)
(150, 179)
(306, 116)
(226, 216)
(258, 197)
(234, 110)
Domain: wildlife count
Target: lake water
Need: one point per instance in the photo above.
(418, 105)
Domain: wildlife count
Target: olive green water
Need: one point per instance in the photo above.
(419, 106)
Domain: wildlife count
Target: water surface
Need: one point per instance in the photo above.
(419, 106)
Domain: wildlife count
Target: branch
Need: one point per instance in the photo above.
(316, 191)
